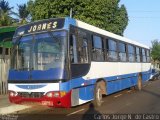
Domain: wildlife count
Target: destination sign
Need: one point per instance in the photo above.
(40, 26)
(43, 26)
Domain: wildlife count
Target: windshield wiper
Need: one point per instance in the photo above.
(25, 68)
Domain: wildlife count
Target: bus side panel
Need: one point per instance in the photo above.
(126, 82)
(82, 95)
(86, 94)
(146, 71)
(146, 76)
(134, 80)
(115, 86)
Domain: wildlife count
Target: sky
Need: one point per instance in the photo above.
(144, 19)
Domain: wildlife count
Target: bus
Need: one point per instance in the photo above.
(64, 62)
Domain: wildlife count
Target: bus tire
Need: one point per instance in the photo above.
(98, 94)
(139, 83)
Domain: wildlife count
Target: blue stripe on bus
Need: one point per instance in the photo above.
(87, 92)
(18, 75)
(51, 74)
(78, 82)
(114, 84)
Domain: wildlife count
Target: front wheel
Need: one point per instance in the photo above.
(98, 95)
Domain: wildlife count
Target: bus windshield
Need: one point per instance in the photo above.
(41, 51)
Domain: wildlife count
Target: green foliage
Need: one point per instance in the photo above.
(5, 6)
(155, 50)
(106, 14)
(5, 19)
(5, 12)
(23, 13)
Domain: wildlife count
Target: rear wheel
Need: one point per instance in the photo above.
(139, 82)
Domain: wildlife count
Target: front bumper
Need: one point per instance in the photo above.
(64, 101)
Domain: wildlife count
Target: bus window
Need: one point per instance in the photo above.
(84, 51)
(97, 49)
(138, 58)
(78, 49)
(131, 53)
(112, 50)
(122, 52)
(148, 56)
(79, 55)
(73, 50)
(144, 55)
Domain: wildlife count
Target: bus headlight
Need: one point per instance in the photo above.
(12, 94)
(56, 94)
(50, 94)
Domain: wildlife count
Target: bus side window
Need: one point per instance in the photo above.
(138, 55)
(122, 52)
(79, 56)
(82, 48)
(84, 51)
(73, 49)
(78, 50)
(97, 49)
(112, 50)
(131, 53)
(148, 56)
(144, 55)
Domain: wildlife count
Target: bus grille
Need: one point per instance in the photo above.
(31, 95)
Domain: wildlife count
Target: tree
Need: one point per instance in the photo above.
(106, 14)
(5, 19)
(5, 12)
(155, 50)
(23, 13)
(5, 6)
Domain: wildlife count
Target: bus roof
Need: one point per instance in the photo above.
(41, 24)
(106, 33)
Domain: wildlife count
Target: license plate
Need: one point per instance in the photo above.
(47, 103)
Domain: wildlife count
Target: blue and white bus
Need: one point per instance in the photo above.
(65, 62)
